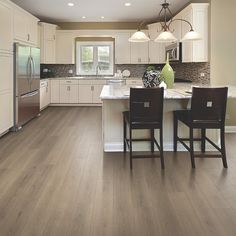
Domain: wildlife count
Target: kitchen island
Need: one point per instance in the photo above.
(115, 100)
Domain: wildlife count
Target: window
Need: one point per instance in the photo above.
(94, 58)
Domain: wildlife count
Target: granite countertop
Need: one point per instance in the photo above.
(179, 91)
(92, 78)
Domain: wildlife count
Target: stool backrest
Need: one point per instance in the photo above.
(146, 104)
(209, 104)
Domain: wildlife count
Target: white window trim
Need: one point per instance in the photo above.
(93, 43)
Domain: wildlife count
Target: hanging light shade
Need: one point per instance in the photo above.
(166, 37)
(191, 36)
(139, 37)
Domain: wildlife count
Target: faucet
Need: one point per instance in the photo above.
(97, 68)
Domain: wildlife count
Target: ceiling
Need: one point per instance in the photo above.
(111, 10)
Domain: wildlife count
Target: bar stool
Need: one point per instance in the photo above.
(146, 112)
(208, 109)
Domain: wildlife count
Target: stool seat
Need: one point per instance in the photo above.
(208, 109)
(146, 112)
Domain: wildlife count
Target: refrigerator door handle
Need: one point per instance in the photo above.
(30, 94)
(31, 69)
(33, 66)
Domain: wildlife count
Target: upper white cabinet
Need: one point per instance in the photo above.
(6, 28)
(25, 27)
(65, 47)
(139, 52)
(48, 43)
(197, 15)
(122, 48)
(156, 50)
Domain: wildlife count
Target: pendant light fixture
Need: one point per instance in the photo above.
(139, 36)
(166, 36)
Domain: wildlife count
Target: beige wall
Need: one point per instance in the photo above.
(223, 48)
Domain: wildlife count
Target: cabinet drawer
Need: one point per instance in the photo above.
(69, 81)
(100, 81)
(88, 82)
(134, 82)
(44, 83)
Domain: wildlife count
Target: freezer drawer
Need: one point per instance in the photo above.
(28, 108)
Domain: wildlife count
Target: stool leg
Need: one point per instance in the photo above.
(152, 140)
(203, 140)
(161, 149)
(223, 152)
(191, 147)
(125, 134)
(175, 132)
(130, 148)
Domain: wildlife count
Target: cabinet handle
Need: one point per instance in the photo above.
(28, 37)
(92, 88)
(54, 37)
(68, 88)
(68, 81)
(139, 60)
(47, 89)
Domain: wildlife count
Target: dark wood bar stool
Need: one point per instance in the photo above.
(146, 112)
(208, 109)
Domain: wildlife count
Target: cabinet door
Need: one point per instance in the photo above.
(55, 91)
(20, 25)
(42, 97)
(187, 47)
(33, 30)
(85, 93)
(139, 53)
(97, 89)
(6, 28)
(49, 31)
(6, 76)
(6, 111)
(65, 93)
(48, 95)
(73, 94)
(122, 48)
(65, 48)
(49, 51)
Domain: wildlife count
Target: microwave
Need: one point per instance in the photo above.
(175, 52)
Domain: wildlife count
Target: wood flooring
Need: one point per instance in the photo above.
(56, 180)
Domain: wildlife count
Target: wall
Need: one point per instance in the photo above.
(189, 71)
(223, 48)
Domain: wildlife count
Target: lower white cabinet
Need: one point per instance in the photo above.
(69, 91)
(45, 97)
(90, 90)
(6, 92)
(6, 111)
(55, 91)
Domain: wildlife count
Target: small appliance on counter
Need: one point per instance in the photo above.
(26, 84)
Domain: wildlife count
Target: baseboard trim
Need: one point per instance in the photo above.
(230, 129)
(168, 147)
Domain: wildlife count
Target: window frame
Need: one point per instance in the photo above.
(95, 45)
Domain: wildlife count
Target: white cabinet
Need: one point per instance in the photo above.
(25, 27)
(90, 90)
(197, 15)
(6, 92)
(48, 43)
(69, 91)
(45, 97)
(156, 50)
(139, 52)
(6, 28)
(65, 48)
(122, 48)
(55, 91)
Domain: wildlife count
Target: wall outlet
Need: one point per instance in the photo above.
(202, 74)
(45, 70)
(227, 116)
(70, 71)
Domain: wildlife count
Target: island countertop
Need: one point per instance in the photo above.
(179, 91)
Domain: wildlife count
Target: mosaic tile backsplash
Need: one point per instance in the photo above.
(196, 72)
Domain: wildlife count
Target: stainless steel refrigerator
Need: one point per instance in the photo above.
(26, 84)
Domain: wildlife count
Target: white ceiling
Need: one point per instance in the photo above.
(112, 10)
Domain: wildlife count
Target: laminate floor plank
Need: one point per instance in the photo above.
(56, 180)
